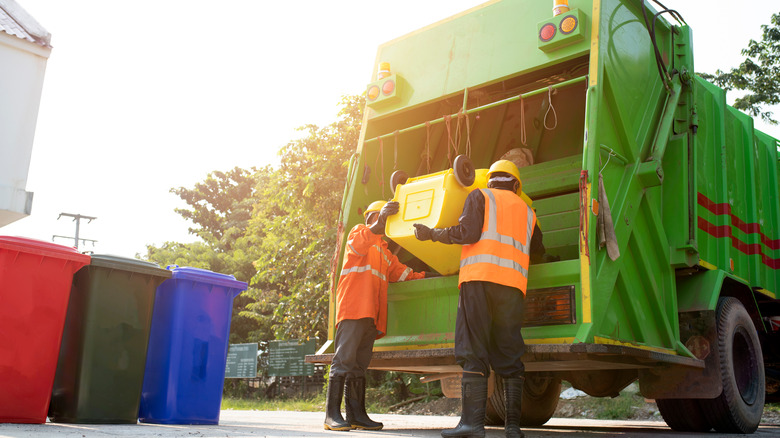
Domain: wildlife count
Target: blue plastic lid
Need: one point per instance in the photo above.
(206, 276)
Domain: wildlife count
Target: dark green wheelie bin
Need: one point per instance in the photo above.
(100, 369)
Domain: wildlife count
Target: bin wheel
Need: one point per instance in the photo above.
(463, 169)
(398, 177)
(739, 407)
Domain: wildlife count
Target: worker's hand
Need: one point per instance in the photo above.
(389, 209)
(422, 232)
(431, 274)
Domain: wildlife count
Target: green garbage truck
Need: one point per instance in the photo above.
(658, 204)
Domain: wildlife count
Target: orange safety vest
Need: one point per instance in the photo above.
(368, 268)
(502, 254)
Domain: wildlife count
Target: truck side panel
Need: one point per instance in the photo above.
(737, 208)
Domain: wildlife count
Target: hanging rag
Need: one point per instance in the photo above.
(604, 226)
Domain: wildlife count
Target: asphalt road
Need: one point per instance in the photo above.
(272, 424)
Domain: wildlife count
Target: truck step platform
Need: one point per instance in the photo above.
(537, 357)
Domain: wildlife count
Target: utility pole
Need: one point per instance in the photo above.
(76, 218)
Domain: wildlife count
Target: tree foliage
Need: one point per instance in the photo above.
(220, 206)
(295, 221)
(758, 74)
(274, 228)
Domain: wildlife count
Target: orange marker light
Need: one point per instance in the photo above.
(547, 32)
(568, 24)
(372, 93)
(388, 87)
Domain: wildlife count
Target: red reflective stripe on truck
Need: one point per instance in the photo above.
(747, 228)
(745, 248)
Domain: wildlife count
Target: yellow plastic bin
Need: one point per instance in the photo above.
(435, 200)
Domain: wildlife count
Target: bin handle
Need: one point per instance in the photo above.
(172, 266)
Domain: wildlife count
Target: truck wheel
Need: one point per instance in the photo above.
(540, 398)
(684, 415)
(463, 169)
(739, 407)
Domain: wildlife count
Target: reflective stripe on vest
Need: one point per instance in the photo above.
(405, 274)
(377, 273)
(363, 269)
(495, 260)
(490, 232)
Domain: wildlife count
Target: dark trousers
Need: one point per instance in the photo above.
(354, 344)
(487, 329)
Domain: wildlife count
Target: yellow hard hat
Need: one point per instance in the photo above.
(505, 166)
(374, 206)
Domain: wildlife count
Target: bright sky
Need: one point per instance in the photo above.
(145, 95)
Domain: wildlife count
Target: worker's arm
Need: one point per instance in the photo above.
(360, 239)
(399, 271)
(469, 228)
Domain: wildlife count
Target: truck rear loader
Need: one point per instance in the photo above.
(658, 204)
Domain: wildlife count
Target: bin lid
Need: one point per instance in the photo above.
(46, 249)
(206, 276)
(128, 264)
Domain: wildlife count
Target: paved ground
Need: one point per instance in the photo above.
(272, 424)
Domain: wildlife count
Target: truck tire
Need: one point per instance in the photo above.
(684, 415)
(540, 398)
(739, 407)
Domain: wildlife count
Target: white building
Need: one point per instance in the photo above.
(24, 49)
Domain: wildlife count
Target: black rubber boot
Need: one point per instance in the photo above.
(333, 418)
(356, 405)
(474, 402)
(513, 393)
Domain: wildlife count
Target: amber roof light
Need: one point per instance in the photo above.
(568, 24)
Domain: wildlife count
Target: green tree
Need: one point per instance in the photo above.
(220, 206)
(274, 228)
(295, 225)
(758, 74)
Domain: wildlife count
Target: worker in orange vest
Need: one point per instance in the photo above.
(361, 315)
(499, 235)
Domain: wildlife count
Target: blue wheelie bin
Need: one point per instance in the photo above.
(188, 343)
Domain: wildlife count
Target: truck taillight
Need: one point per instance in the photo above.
(554, 305)
(383, 91)
(547, 32)
(388, 87)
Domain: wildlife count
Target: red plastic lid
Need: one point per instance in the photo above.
(39, 247)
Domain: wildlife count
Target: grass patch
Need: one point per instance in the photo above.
(316, 404)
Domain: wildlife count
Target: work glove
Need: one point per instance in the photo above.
(389, 209)
(431, 274)
(422, 232)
